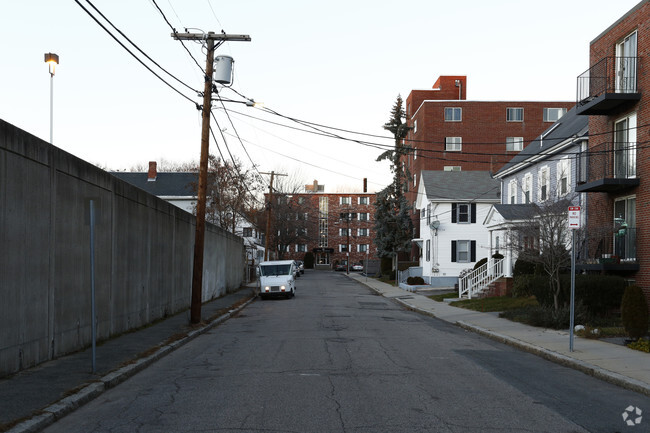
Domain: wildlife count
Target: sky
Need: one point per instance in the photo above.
(337, 64)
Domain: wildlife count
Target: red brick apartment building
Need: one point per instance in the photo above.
(612, 92)
(449, 132)
(341, 224)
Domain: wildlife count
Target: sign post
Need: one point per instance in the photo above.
(574, 224)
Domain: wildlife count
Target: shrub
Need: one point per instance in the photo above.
(634, 312)
(415, 281)
(309, 260)
(523, 267)
(386, 265)
(640, 344)
(480, 263)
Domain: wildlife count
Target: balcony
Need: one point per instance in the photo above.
(609, 84)
(610, 167)
(609, 252)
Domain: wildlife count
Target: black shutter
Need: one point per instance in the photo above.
(453, 251)
(473, 214)
(453, 213)
(473, 251)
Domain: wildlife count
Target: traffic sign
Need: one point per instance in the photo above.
(574, 217)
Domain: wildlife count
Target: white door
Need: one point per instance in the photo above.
(626, 58)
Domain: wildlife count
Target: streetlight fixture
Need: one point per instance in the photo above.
(52, 60)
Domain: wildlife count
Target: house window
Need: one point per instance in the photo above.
(453, 114)
(415, 180)
(453, 144)
(345, 200)
(626, 64)
(247, 232)
(415, 153)
(452, 168)
(553, 114)
(514, 114)
(415, 126)
(343, 248)
(544, 184)
(364, 216)
(463, 213)
(362, 232)
(463, 251)
(362, 248)
(528, 180)
(428, 250)
(429, 214)
(344, 232)
(514, 144)
(301, 248)
(564, 177)
(512, 191)
(625, 147)
(364, 200)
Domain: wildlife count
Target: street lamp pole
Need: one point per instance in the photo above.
(52, 60)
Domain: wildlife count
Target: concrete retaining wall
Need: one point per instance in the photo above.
(143, 253)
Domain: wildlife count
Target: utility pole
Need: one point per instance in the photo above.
(199, 239)
(268, 214)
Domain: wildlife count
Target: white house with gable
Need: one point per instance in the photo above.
(453, 206)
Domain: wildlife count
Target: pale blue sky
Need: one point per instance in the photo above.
(337, 63)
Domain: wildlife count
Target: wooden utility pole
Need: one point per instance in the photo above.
(199, 239)
(269, 205)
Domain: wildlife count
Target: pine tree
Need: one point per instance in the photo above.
(393, 225)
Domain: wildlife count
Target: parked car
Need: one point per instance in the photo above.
(341, 266)
(301, 266)
(296, 269)
(357, 267)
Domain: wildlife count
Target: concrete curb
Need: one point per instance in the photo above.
(89, 392)
(558, 358)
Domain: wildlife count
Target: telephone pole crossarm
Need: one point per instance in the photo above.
(210, 35)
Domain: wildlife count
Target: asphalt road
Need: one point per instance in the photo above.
(338, 358)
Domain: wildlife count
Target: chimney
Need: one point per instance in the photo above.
(151, 176)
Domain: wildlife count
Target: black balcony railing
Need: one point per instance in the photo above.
(607, 167)
(614, 250)
(608, 83)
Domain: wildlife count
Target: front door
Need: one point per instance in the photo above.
(625, 228)
(625, 148)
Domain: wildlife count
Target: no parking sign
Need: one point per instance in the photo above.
(574, 217)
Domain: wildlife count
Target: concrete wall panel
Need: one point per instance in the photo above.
(143, 254)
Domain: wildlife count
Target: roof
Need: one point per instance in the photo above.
(567, 127)
(166, 184)
(517, 212)
(460, 185)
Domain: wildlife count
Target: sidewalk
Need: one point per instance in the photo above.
(610, 362)
(32, 399)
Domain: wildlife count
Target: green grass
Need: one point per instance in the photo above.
(500, 303)
(441, 297)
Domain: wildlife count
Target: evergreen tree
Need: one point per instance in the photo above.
(393, 225)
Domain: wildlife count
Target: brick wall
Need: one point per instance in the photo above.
(601, 127)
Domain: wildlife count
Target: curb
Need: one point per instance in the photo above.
(567, 361)
(558, 358)
(61, 408)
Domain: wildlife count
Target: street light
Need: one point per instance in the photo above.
(52, 60)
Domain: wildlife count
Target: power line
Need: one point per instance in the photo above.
(132, 54)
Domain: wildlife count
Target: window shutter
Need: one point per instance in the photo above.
(473, 214)
(453, 251)
(453, 212)
(473, 251)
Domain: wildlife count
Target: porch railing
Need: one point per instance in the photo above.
(480, 278)
(616, 246)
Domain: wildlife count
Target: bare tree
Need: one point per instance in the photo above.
(232, 190)
(544, 238)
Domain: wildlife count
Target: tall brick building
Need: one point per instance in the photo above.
(612, 170)
(341, 226)
(451, 133)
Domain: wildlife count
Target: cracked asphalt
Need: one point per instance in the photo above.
(339, 358)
